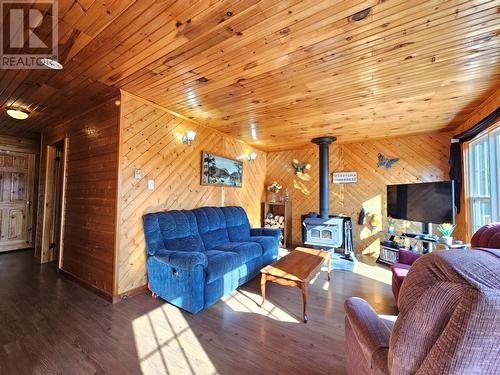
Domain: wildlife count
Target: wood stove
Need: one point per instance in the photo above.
(326, 231)
(320, 232)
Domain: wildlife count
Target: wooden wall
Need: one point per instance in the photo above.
(488, 106)
(107, 144)
(19, 144)
(151, 141)
(423, 159)
(91, 185)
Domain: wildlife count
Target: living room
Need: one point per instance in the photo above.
(172, 168)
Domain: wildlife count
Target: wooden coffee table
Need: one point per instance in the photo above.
(295, 269)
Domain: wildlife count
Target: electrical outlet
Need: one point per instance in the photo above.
(151, 184)
(137, 174)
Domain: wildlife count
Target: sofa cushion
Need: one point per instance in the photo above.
(238, 227)
(212, 226)
(221, 262)
(172, 230)
(266, 242)
(246, 250)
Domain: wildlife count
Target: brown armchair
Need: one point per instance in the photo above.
(449, 321)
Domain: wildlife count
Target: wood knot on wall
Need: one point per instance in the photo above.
(285, 31)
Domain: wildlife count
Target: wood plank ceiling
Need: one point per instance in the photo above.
(274, 73)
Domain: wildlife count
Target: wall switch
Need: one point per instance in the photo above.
(137, 174)
(151, 184)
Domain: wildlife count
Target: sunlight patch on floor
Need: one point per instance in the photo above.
(167, 345)
(326, 285)
(249, 302)
(374, 272)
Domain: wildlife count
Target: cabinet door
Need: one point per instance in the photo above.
(16, 195)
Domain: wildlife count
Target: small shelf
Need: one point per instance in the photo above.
(281, 210)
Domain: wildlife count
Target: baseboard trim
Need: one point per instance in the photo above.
(129, 294)
(99, 292)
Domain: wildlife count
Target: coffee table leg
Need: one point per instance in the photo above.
(263, 280)
(329, 265)
(303, 287)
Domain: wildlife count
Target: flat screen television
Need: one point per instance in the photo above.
(429, 202)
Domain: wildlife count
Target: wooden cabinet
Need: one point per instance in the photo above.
(282, 211)
(17, 182)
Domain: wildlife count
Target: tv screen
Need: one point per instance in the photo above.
(431, 202)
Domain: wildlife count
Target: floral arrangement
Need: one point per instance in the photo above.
(446, 229)
(390, 222)
(274, 187)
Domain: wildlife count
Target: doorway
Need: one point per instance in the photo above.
(17, 187)
(52, 236)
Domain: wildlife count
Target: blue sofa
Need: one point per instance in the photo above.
(195, 257)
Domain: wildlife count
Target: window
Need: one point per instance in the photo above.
(484, 179)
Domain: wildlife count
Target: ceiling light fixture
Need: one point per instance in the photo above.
(17, 113)
(52, 64)
(252, 156)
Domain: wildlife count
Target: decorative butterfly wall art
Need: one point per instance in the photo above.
(386, 163)
(300, 167)
(301, 170)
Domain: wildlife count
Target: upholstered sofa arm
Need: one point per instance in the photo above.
(272, 232)
(408, 257)
(371, 332)
(185, 260)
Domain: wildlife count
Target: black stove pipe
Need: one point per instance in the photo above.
(324, 174)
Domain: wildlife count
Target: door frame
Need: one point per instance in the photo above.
(28, 202)
(46, 253)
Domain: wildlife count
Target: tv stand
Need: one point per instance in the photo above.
(426, 237)
(390, 254)
(427, 231)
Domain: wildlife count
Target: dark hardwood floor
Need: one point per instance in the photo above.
(50, 325)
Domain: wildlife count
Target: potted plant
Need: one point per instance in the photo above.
(390, 225)
(274, 189)
(446, 230)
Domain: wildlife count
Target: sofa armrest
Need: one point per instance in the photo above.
(371, 332)
(185, 260)
(272, 232)
(408, 257)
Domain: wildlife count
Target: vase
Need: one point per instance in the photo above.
(286, 196)
(274, 197)
(390, 230)
(448, 241)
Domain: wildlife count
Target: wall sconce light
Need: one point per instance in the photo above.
(189, 137)
(252, 156)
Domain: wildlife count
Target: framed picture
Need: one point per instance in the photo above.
(220, 171)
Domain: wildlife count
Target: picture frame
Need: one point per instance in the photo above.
(217, 170)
